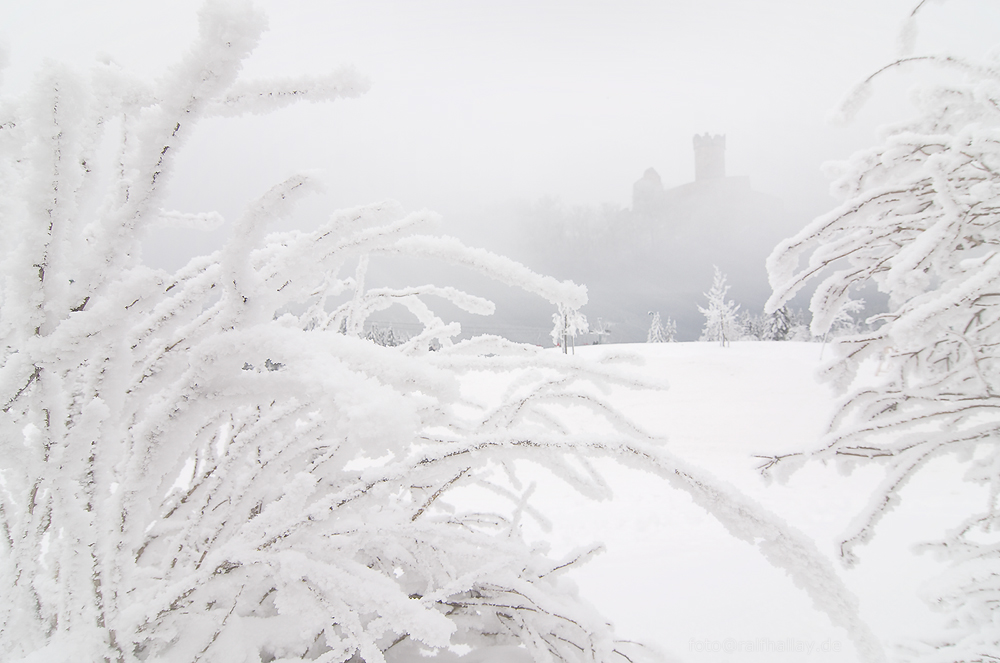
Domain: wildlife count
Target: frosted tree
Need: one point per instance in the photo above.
(660, 332)
(751, 327)
(385, 335)
(778, 325)
(567, 324)
(921, 219)
(215, 465)
(721, 323)
(670, 330)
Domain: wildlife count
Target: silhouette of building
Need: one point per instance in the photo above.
(709, 157)
(710, 188)
(659, 254)
(679, 233)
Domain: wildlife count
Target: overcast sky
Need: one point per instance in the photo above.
(478, 102)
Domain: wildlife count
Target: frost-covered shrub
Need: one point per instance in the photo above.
(921, 219)
(215, 465)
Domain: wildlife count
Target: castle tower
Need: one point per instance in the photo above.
(709, 157)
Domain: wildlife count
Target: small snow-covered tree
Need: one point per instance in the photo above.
(566, 326)
(720, 315)
(215, 465)
(778, 324)
(921, 219)
(660, 332)
(670, 330)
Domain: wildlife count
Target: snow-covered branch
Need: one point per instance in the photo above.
(920, 220)
(213, 464)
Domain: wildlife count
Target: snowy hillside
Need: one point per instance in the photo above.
(672, 576)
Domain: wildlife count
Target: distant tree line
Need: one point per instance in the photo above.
(725, 322)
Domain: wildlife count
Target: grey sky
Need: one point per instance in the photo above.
(478, 102)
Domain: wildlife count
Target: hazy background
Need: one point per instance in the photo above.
(511, 115)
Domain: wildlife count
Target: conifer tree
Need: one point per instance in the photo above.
(660, 332)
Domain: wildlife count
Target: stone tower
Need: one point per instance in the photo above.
(709, 157)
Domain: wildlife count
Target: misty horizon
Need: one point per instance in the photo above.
(531, 114)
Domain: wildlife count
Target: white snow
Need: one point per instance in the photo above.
(673, 577)
(315, 481)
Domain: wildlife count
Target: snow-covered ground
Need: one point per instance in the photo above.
(673, 577)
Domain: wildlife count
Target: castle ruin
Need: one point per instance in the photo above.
(709, 156)
(651, 200)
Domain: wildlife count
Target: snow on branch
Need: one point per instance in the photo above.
(198, 221)
(919, 219)
(214, 464)
(267, 96)
(561, 293)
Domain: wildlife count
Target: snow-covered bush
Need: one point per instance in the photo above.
(921, 219)
(215, 465)
(720, 315)
(200, 464)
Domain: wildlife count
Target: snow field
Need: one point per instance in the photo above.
(672, 577)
